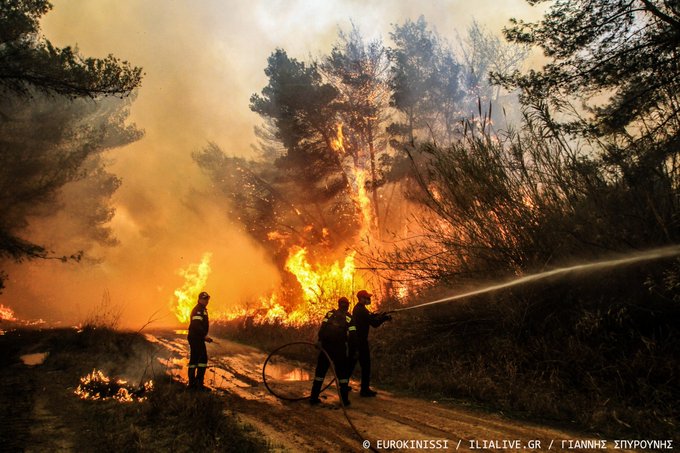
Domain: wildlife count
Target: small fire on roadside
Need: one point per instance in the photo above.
(97, 386)
(7, 314)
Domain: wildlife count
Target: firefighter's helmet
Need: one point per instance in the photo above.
(364, 293)
(343, 303)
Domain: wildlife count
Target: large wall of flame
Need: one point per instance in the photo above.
(202, 61)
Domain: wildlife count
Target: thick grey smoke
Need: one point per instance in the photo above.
(202, 60)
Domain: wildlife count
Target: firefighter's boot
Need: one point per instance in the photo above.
(200, 375)
(344, 394)
(316, 390)
(192, 376)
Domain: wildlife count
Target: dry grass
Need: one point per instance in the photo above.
(172, 419)
(601, 351)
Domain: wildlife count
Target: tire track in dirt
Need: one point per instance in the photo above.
(296, 426)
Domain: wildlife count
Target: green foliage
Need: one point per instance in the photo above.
(300, 105)
(51, 151)
(50, 136)
(30, 62)
(302, 189)
(565, 186)
(279, 208)
(425, 82)
(621, 60)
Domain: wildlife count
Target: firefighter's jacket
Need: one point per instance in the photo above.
(199, 325)
(337, 328)
(364, 320)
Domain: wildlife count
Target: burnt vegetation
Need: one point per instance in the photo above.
(584, 169)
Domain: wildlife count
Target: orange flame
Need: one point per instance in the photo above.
(7, 313)
(195, 277)
(357, 178)
(322, 283)
(338, 143)
(97, 386)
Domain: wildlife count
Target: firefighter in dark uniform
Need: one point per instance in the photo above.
(337, 336)
(198, 336)
(364, 320)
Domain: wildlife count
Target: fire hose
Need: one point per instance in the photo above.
(335, 379)
(653, 254)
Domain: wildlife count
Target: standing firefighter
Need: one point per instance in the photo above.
(337, 336)
(198, 336)
(364, 320)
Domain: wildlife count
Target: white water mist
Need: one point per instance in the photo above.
(631, 258)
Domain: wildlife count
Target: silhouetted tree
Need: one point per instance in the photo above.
(425, 84)
(49, 136)
(620, 60)
(29, 62)
(485, 53)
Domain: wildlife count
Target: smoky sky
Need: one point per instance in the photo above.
(202, 62)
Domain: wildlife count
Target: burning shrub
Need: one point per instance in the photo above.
(6, 313)
(97, 386)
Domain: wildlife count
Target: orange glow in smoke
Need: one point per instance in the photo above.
(195, 278)
(364, 203)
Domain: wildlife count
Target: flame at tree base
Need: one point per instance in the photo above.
(321, 284)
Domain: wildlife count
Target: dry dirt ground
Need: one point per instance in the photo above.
(386, 421)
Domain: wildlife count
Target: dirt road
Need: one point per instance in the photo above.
(389, 421)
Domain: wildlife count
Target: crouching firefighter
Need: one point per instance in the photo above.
(198, 336)
(337, 336)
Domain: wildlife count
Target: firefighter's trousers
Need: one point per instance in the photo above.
(198, 362)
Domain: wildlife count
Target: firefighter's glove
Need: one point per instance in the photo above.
(208, 340)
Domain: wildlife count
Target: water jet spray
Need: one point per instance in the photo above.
(648, 255)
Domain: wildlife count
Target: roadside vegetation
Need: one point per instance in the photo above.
(589, 170)
(170, 419)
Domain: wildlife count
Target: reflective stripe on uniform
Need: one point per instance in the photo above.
(203, 365)
(343, 381)
(352, 328)
(200, 318)
(317, 378)
(192, 366)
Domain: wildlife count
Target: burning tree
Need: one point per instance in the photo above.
(328, 186)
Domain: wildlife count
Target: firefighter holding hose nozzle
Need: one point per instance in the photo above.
(198, 337)
(364, 320)
(337, 336)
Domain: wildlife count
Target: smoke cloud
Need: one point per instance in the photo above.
(202, 61)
